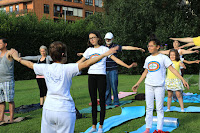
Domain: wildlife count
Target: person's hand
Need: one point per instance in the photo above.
(135, 87)
(111, 51)
(15, 55)
(142, 50)
(197, 51)
(197, 61)
(79, 54)
(186, 84)
(134, 64)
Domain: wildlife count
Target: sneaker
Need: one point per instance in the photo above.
(146, 131)
(100, 130)
(168, 110)
(182, 110)
(155, 131)
(92, 130)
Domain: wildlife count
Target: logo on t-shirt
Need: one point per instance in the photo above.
(153, 66)
(95, 55)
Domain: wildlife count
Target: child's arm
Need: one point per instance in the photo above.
(187, 45)
(166, 52)
(182, 64)
(183, 51)
(176, 73)
(191, 62)
(195, 47)
(120, 62)
(135, 87)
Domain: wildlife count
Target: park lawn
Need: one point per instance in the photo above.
(26, 92)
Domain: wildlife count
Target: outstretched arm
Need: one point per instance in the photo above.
(191, 62)
(186, 39)
(132, 48)
(166, 52)
(183, 51)
(187, 45)
(195, 47)
(79, 54)
(120, 62)
(176, 73)
(16, 57)
(89, 62)
(144, 74)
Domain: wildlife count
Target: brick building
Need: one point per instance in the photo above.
(70, 10)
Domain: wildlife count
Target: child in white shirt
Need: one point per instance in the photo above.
(155, 71)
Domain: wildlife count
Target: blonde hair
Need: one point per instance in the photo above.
(45, 48)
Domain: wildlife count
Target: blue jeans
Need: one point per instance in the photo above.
(112, 82)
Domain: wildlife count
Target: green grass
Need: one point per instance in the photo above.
(26, 92)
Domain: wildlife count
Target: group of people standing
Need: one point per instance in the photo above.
(59, 108)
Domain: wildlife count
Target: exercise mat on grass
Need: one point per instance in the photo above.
(128, 113)
(169, 125)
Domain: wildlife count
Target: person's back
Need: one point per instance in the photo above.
(58, 78)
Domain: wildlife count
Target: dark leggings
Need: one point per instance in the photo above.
(97, 82)
(42, 86)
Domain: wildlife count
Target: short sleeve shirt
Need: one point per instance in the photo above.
(100, 66)
(58, 78)
(156, 66)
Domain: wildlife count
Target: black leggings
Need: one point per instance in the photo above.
(42, 86)
(97, 82)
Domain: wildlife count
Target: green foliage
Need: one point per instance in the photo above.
(27, 34)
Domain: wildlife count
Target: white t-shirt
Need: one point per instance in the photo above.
(58, 78)
(156, 66)
(100, 66)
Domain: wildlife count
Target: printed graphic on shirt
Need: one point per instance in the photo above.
(53, 78)
(95, 55)
(153, 66)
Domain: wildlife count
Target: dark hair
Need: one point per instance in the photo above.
(4, 40)
(177, 56)
(56, 50)
(100, 42)
(154, 39)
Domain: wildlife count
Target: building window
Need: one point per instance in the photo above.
(46, 9)
(78, 1)
(74, 12)
(68, 0)
(58, 8)
(88, 13)
(89, 2)
(11, 8)
(17, 8)
(3, 9)
(98, 3)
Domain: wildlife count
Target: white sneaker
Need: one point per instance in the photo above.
(182, 110)
(168, 110)
(100, 130)
(92, 130)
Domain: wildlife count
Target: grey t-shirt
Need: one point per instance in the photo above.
(6, 69)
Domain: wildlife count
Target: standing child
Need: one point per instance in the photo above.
(155, 71)
(97, 76)
(172, 82)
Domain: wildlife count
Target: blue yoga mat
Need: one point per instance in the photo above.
(169, 125)
(89, 109)
(188, 109)
(128, 113)
(195, 98)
